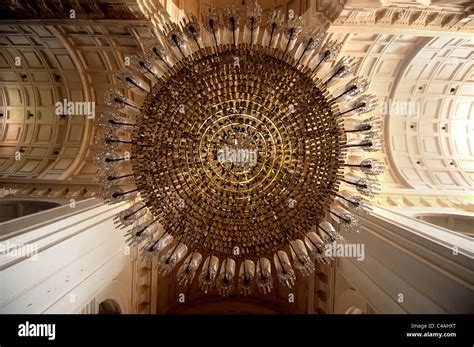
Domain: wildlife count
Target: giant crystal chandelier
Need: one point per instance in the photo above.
(242, 152)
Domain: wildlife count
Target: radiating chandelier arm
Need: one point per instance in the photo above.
(131, 81)
(115, 99)
(280, 262)
(142, 229)
(119, 159)
(170, 254)
(343, 68)
(356, 86)
(173, 35)
(297, 255)
(154, 247)
(246, 276)
(264, 278)
(254, 16)
(344, 218)
(316, 247)
(119, 194)
(313, 246)
(188, 269)
(293, 28)
(363, 104)
(231, 22)
(211, 23)
(364, 126)
(285, 273)
(370, 143)
(327, 54)
(114, 177)
(355, 203)
(169, 260)
(272, 30)
(359, 130)
(329, 230)
(130, 215)
(117, 176)
(113, 121)
(365, 186)
(225, 281)
(160, 238)
(110, 139)
(141, 232)
(155, 51)
(311, 41)
(190, 26)
(322, 58)
(142, 65)
(208, 273)
(369, 166)
(301, 260)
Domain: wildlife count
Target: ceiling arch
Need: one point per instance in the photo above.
(41, 65)
(381, 58)
(35, 73)
(431, 117)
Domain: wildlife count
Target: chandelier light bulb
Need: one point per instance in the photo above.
(155, 246)
(208, 273)
(325, 228)
(263, 278)
(316, 247)
(188, 268)
(246, 276)
(141, 232)
(285, 273)
(169, 260)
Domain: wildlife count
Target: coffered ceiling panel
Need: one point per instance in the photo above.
(382, 58)
(440, 135)
(29, 83)
(41, 65)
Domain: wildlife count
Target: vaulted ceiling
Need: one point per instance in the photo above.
(41, 65)
(434, 147)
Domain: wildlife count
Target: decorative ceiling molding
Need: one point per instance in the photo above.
(61, 9)
(428, 21)
(47, 188)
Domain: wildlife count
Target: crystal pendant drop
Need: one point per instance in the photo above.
(285, 272)
(246, 276)
(169, 260)
(188, 269)
(208, 273)
(301, 260)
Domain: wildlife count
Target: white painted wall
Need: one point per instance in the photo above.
(80, 258)
(412, 258)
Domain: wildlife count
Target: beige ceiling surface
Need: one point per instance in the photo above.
(35, 72)
(380, 58)
(434, 147)
(76, 63)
